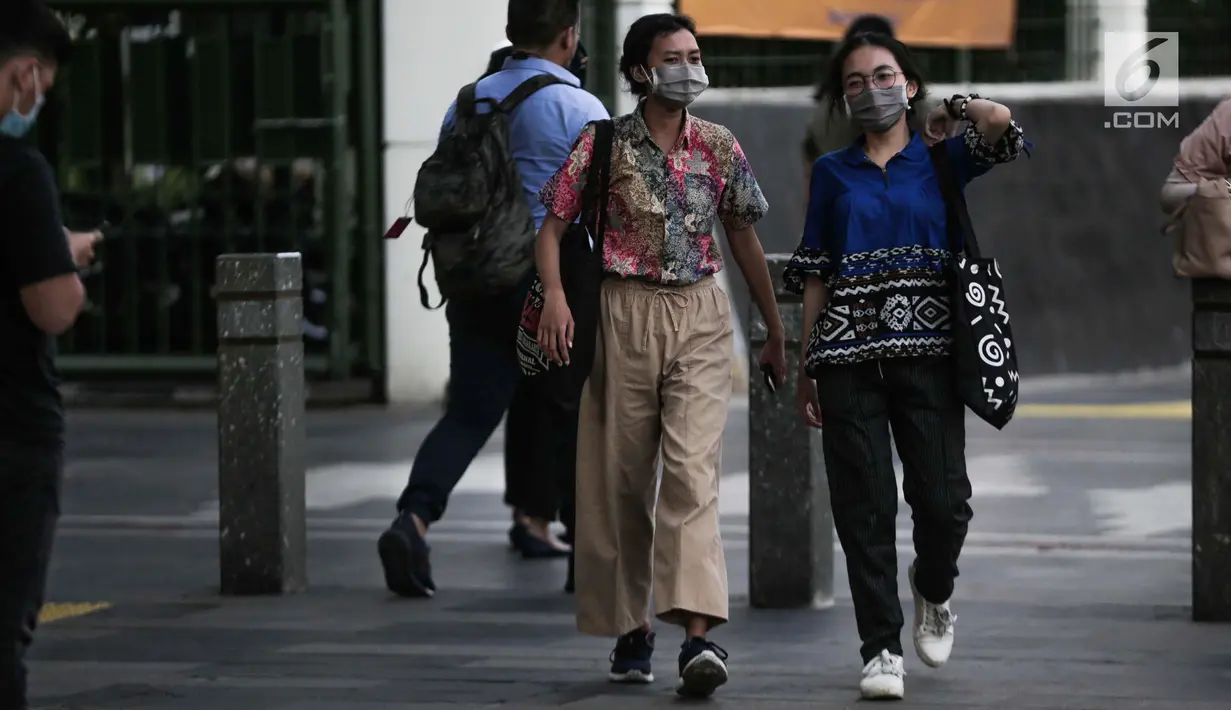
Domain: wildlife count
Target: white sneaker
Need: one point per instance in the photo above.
(933, 628)
(883, 678)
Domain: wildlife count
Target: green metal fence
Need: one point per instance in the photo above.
(598, 33)
(198, 128)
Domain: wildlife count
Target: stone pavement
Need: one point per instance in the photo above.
(335, 649)
(1074, 587)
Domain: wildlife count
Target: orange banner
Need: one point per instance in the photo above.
(982, 24)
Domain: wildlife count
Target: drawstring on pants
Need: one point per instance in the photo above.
(667, 294)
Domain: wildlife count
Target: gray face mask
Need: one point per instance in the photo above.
(679, 84)
(877, 110)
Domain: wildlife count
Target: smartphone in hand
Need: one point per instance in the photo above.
(768, 371)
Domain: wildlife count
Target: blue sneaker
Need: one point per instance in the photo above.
(702, 668)
(630, 661)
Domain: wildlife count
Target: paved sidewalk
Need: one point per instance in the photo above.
(335, 649)
(1073, 593)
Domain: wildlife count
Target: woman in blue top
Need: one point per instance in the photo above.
(873, 270)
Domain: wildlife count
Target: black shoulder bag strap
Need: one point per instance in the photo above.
(955, 202)
(594, 199)
(525, 90)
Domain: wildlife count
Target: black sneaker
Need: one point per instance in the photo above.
(630, 661)
(702, 668)
(405, 555)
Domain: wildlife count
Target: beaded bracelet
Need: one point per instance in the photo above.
(956, 105)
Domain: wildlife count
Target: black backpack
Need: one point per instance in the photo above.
(469, 197)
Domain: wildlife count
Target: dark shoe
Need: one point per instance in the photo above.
(569, 585)
(532, 547)
(406, 557)
(630, 661)
(517, 534)
(702, 668)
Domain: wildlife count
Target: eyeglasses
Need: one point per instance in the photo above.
(881, 79)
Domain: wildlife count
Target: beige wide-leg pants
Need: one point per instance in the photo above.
(659, 390)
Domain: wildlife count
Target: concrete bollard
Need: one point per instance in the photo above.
(790, 520)
(261, 458)
(1211, 401)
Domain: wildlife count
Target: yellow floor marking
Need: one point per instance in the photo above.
(58, 611)
(1182, 409)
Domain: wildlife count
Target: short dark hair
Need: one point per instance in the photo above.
(30, 27)
(878, 24)
(640, 40)
(534, 24)
(833, 85)
(864, 24)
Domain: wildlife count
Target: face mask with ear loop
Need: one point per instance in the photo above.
(878, 110)
(678, 84)
(17, 125)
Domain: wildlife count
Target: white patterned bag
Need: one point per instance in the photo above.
(983, 352)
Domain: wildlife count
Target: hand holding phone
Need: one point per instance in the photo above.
(768, 371)
(81, 245)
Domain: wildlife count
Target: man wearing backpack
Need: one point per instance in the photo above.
(477, 198)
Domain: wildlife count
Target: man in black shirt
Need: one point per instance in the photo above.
(40, 297)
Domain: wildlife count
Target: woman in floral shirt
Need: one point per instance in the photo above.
(661, 380)
(873, 268)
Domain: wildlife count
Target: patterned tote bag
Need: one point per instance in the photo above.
(984, 353)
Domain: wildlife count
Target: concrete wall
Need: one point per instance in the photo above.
(431, 49)
(1075, 227)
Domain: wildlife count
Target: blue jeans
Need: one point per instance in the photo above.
(483, 375)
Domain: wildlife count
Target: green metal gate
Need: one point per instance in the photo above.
(197, 128)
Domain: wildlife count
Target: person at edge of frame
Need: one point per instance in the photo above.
(41, 296)
(483, 366)
(662, 374)
(874, 269)
(540, 436)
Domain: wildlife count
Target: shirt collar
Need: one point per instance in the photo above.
(542, 65)
(640, 132)
(915, 151)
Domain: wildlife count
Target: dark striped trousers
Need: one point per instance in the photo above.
(860, 404)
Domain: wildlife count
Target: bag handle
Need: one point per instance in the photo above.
(597, 192)
(955, 202)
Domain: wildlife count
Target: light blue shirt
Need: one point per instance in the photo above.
(543, 128)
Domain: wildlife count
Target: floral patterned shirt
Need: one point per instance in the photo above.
(662, 206)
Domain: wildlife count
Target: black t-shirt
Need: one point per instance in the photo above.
(32, 249)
